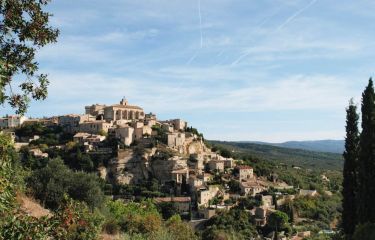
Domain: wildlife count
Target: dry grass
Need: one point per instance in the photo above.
(32, 207)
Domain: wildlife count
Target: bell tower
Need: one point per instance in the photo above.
(124, 101)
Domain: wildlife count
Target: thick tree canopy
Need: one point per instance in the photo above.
(24, 28)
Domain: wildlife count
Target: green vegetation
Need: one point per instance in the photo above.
(295, 157)
(232, 224)
(351, 153)
(52, 182)
(25, 28)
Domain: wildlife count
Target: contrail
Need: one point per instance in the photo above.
(296, 14)
(200, 21)
(192, 59)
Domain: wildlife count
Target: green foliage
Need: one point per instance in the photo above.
(7, 186)
(349, 192)
(167, 209)
(179, 230)
(22, 226)
(302, 158)
(278, 220)
(248, 203)
(232, 224)
(24, 30)
(74, 220)
(364, 232)
(135, 217)
(323, 208)
(49, 185)
(366, 173)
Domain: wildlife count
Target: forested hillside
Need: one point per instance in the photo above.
(297, 157)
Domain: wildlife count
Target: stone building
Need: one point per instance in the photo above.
(178, 124)
(88, 138)
(125, 134)
(176, 139)
(245, 172)
(251, 188)
(141, 130)
(180, 175)
(96, 126)
(95, 109)
(217, 165)
(11, 121)
(71, 122)
(204, 196)
(122, 111)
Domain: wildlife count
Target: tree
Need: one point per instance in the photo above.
(24, 28)
(51, 183)
(366, 166)
(349, 191)
(278, 220)
(180, 230)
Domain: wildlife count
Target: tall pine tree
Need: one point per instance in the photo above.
(366, 166)
(349, 192)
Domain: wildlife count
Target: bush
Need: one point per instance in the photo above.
(74, 220)
(51, 183)
(111, 227)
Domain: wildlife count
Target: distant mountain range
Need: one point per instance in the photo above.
(331, 146)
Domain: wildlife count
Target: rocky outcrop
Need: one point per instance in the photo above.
(128, 167)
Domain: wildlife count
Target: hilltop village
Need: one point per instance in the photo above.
(134, 148)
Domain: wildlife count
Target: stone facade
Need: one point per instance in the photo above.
(251, 188)
(217, 165)
(95, 126)
(71, 122)
(204, 196)
(12, 121)
(245, 173)
(125, 134)
(176, 139)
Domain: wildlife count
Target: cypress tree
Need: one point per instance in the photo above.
(366, 166)
(349, 192)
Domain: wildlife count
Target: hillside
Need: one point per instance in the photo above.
(331, 146)
(290, 156)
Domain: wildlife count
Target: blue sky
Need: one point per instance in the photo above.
(270, 70)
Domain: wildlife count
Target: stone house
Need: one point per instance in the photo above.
(180, 175)
(178, 124)
(96, 126)
(176, 139)
(125, 134)
(71, 122)
(216, 165)
(245, 172)
(88, 138)
(204, 196)
(195, 183)
(251, 188)
(229, 163)
(11, 121)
